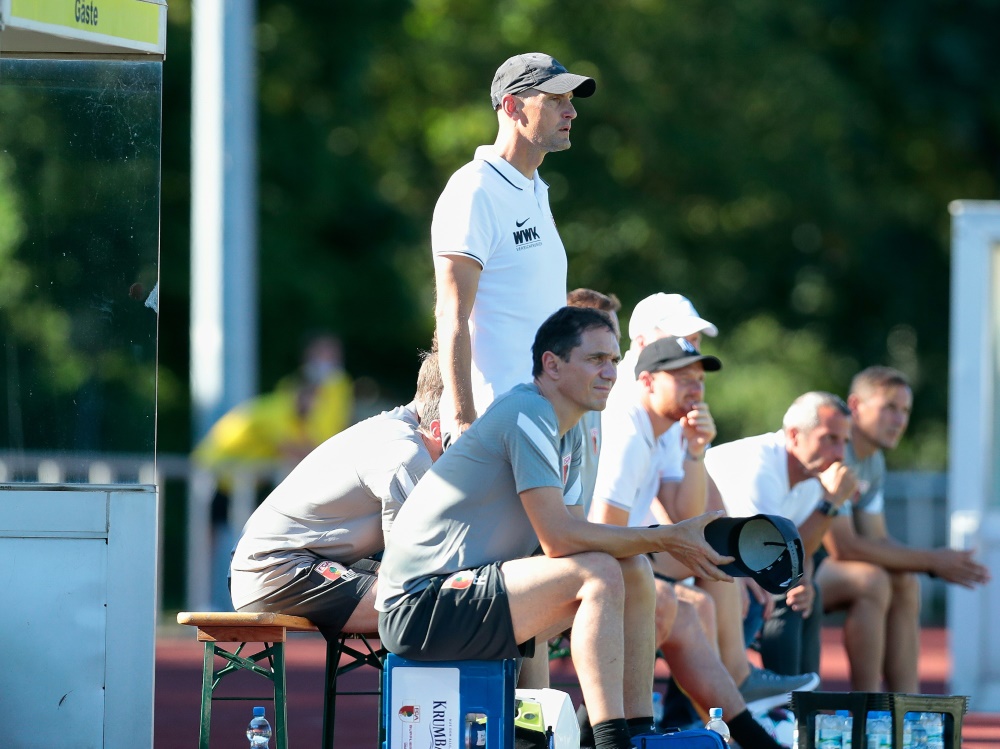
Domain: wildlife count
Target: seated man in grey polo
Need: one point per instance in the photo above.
(311, 548)
(861, 547)
(464, 580)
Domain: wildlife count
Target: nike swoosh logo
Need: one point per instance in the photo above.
(552, 430)
(519, 224)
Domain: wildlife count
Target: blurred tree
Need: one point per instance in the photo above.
(787, 167)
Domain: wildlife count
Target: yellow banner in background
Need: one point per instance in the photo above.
(131, 20)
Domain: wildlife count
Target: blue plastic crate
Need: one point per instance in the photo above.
(448, 704)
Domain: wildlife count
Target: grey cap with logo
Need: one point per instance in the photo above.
(540, 71)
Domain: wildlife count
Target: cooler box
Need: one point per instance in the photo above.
(541, 709)
(448, 704)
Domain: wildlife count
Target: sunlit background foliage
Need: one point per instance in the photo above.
(787, 166)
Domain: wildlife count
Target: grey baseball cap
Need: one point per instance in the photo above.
(541, 71)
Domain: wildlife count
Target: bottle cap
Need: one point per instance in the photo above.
(715, 712)
(258, 712)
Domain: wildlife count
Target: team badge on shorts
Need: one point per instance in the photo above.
(460, 580)
(334, 572)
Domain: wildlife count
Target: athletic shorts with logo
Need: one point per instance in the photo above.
(462, 616)
(325, 592)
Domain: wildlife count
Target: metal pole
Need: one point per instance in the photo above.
(224, 318)
(223, 243)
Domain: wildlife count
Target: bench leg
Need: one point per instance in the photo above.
(358, 657)
(280, 701)
(206, 695)
(274, 670)
(330, 694)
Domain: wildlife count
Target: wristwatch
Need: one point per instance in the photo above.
(828, 508)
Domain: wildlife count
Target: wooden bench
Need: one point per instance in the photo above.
(270, 632)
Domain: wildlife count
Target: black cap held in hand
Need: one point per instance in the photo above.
(767, 548)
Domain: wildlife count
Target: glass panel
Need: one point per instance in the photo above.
(79, 251)
(993, 500)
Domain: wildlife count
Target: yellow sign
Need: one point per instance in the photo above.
(127, 20)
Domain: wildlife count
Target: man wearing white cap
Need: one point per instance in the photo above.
(499, 264)
(674, 486)
(657, 316)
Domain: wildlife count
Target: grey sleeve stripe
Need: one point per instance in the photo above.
(539, 440)
(405, 480)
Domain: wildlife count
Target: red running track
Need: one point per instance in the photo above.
(178, 691)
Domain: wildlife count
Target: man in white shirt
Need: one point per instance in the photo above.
(861, 547)
(670, 391)
(654, 317)
(799, 473)
(683, 489)
(499, 264)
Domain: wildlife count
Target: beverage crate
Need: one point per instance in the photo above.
(449, 703)
(806, 705)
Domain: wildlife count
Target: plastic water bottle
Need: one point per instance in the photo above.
(933, 723)
(657, 709)
(717, 724)
(846, 728)
(879, 730)
(259, 730)
(829, 731)
(914, 734)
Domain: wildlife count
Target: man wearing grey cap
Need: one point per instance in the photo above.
(670, 383)
(499, 264)
(676, 486)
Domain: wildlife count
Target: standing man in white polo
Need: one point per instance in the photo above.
(499, 264)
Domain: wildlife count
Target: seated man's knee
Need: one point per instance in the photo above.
(905, 590)
(666, 610)
(602, 574)
(874, 583)
(687, 626)
(703, 605)
(640, 592)
(637, 571)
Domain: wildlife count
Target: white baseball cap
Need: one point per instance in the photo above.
(672, 313)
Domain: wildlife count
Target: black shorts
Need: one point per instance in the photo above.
(325, 592)
(463, 616)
